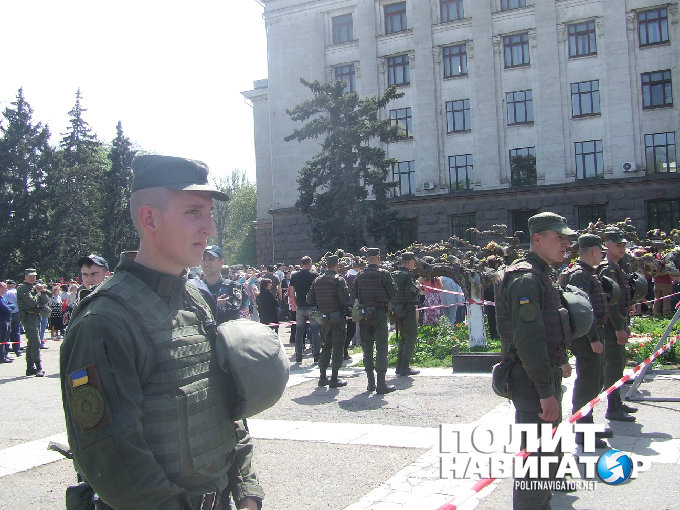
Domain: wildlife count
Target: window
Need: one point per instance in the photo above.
(523, 166)
(657, 89)
(585, 98)
(343, 29)
(516, 50)
(407, 233)
(582, 39)
(458, 116)
(460, 172)
(455, 60)
(402, 118)
(405, 174)
(461, 225)
(347, 74)
(653, 27)
(451, 10)
(663, 214)
(520, 107)
(588, 214)
(398, 70)
(660, 153)
(395, 17)
(506, 5)
(520, 223)
(589, 163)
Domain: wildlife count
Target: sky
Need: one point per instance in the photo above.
(170, 71)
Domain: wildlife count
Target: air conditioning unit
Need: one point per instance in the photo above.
(628, 166)
(429, 185)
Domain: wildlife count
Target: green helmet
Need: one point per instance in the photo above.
(580, 310)
(611, 289)
(638, 286)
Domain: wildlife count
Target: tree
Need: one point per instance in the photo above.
(25, 156)
(344, 188)
(76, 194)
(234, 219)
(117, 225)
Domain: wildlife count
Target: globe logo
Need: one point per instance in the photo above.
(614, 467)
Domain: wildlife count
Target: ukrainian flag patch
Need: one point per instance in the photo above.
(79, 378)
(524, 301)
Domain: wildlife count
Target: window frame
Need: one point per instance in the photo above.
(451, 111)
(660, 20)
(520, 104)
(581, 157)
(468, 167)
(507, 5)
(397, 174)
(671, 214)
(403, 117)
(460, 223)
(509, 44)
(451, 53)
(588, 93)
(351, 73)
(587, 214)
(670, 162)
(447, 6)
(526, 214)
(514, 180)
(341, 27)
(589, 34)
(393, 12)
(648, 88)
(393, 66)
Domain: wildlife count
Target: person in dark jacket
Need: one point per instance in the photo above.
(267, 306)
(5, 317)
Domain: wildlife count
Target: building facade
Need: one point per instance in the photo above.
(510, 107)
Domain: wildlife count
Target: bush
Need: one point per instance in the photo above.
(637, 351)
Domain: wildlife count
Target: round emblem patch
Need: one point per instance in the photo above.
(528, 312)
(87, 406)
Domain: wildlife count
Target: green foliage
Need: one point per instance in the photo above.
(523, 170)
(234, 219)
(637, 350)
(344, 188)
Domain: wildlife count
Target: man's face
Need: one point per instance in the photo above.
(92, 275)
(410, 264)
(211, 265)
(182, 229)
(10, 286)
(615, 251)
(30, 278)
(551, 246)
(593, 256)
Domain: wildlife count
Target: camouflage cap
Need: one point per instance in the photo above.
(407, 255)
(372, 252)
(589, 241)
(150, 171)
(30, 271)
(549, 221)
(615, 235)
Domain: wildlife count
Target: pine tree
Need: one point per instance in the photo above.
(119, 234)
(25, 157)
(344, 189)
(76, 188)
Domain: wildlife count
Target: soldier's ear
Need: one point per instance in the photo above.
(147, 219)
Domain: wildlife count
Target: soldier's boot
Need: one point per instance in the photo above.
(371, 380)
(614, 410)
(335, 382)
(30, 369)
(406, 371)
(323, 380)
(39, 372)
(628, 409)
(384, 388)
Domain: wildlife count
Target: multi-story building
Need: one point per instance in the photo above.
(510, 107)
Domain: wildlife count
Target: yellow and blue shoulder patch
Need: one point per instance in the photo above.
(79, 378)
(86, 401)
(524, 301)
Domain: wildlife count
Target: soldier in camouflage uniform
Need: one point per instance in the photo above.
(534, 329)
(404, 311)
(148, 410)
(588, 349)
(374, 288)
(29, 305)
(330, 294)
(616, 331)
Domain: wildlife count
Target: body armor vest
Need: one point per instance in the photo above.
(185, 402)
(370, 290)
(403, 279)
(326, 291)
(598, 298)
(555, 316)
(622, 280)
